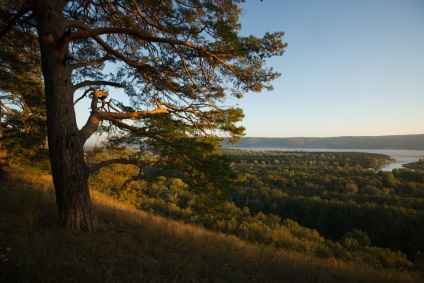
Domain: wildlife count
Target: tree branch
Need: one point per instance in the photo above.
(134, 130)
(9, 112)
(82, 96)
(90, 127)
(96, 116)
(120, 56)
(87, 32)
(13, 21)
(142, 67)
(105, 163)
(130, 115)
(91, 63)
(90, 83)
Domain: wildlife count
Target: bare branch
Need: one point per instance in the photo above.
(82, 96)
(111, 106)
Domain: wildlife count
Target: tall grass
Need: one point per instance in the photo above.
(140, 247)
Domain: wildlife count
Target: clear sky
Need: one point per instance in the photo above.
(351, 68)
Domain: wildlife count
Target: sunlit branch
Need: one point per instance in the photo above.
(96, 116)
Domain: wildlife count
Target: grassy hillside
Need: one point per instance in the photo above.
(411, 142)
(138, 247)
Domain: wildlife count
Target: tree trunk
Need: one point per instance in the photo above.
(4, 162)
(69, 172)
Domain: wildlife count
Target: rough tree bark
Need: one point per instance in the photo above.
(69, 172)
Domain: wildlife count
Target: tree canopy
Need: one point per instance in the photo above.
(22, 102)
(180, 57)
(177, 61)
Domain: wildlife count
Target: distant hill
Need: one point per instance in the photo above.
(411, 142)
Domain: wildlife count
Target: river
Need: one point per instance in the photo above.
(401, 156)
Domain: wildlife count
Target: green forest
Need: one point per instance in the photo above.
(321, 204)
(320, 215)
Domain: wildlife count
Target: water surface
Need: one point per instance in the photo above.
(401, 156)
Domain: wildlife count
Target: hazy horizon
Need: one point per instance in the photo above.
(330, 136)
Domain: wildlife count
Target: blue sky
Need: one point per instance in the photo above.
(352, 68)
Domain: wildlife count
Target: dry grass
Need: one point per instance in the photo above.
(138, 247)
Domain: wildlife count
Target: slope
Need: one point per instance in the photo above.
(139, 247)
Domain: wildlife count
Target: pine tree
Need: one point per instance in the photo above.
(176, 60)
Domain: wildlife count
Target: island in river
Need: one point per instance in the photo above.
(404, 149)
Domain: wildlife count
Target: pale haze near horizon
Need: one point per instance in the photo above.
(351, 68)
